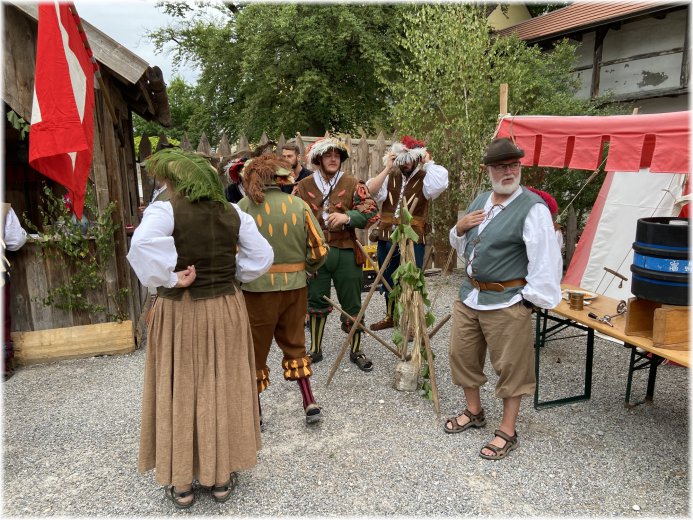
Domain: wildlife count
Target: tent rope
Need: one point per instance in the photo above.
(589, 179)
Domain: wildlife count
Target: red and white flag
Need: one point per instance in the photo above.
(62, 123)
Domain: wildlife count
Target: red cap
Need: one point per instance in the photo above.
(410, 142)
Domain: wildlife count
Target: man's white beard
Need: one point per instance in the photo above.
(506, 189)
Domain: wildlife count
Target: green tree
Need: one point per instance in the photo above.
(450, 91)
(186, 114)
(288, 67)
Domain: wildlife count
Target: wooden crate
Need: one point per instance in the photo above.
(82, 341)
(666, 325)
(670, 329)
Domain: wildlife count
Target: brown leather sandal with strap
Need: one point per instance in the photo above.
(502, 451)
(226, 488)
(175, 497)
(475, 421)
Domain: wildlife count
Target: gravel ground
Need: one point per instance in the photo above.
(71, 431)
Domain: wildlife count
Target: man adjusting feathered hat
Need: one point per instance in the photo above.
(409, 150)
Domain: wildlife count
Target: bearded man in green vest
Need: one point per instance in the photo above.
(341, 203)
(409, 174)
(512, 263)
(277, 300)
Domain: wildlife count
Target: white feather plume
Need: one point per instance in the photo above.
(403, 154)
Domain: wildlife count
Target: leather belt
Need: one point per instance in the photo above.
(498, 286)
(287, 268)
(336, 235)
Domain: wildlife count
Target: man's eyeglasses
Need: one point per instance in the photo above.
(506, 167)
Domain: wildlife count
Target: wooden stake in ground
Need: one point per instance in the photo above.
(368, 331)
(410, 300)
(364, 306)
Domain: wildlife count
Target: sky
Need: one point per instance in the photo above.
(126, 22)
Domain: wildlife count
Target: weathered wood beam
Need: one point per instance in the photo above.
(597, 59)
(675, 50)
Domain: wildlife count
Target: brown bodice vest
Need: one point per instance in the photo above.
(412, 190)
(205, 234)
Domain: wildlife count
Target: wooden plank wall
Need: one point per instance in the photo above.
(19, 57)
(33, 275)
(117, 181)
(636, 59)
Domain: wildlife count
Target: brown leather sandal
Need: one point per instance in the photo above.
(175, 496)
(500, 452)
(475, 421)
(226, 488)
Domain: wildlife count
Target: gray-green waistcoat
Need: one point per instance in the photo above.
(205, 234)
(500, 253)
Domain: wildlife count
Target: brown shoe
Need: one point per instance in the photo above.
(385, 323)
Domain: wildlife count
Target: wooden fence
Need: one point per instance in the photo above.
(365, 160)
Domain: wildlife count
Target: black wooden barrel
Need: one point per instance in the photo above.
(661, 265)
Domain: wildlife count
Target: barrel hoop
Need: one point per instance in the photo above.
(658, 282)
(658, 246)
(665, 265)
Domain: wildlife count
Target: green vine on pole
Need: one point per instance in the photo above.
(408, 291)
(18, 123)
(85, 247)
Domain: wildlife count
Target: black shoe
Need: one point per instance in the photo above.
(363, 362)
(315, 357)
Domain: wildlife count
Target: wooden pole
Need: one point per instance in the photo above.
(369, 331)
(427, 257)
(503, 99)
(431, 366)
(353, 330)
(439, 325)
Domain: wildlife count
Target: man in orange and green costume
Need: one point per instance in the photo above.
(277, 300)
(340, 203)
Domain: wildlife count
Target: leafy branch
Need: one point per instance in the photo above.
(408, 295)
(85, 247)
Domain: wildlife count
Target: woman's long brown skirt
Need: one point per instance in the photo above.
(199, 407)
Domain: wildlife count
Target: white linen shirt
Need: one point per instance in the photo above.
(15, 235)
(435, 182)
(325, 188)
(153, 254)
(545, 266)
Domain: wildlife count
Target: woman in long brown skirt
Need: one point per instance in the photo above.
(200, 417)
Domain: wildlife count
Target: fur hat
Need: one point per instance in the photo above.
(502, 149)
(324, 145)
(263, 171)
(408, 150)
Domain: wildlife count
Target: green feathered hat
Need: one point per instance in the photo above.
(190, 174)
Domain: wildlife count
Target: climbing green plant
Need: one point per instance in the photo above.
(408, 292)
(18, 123)
(84, 246)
